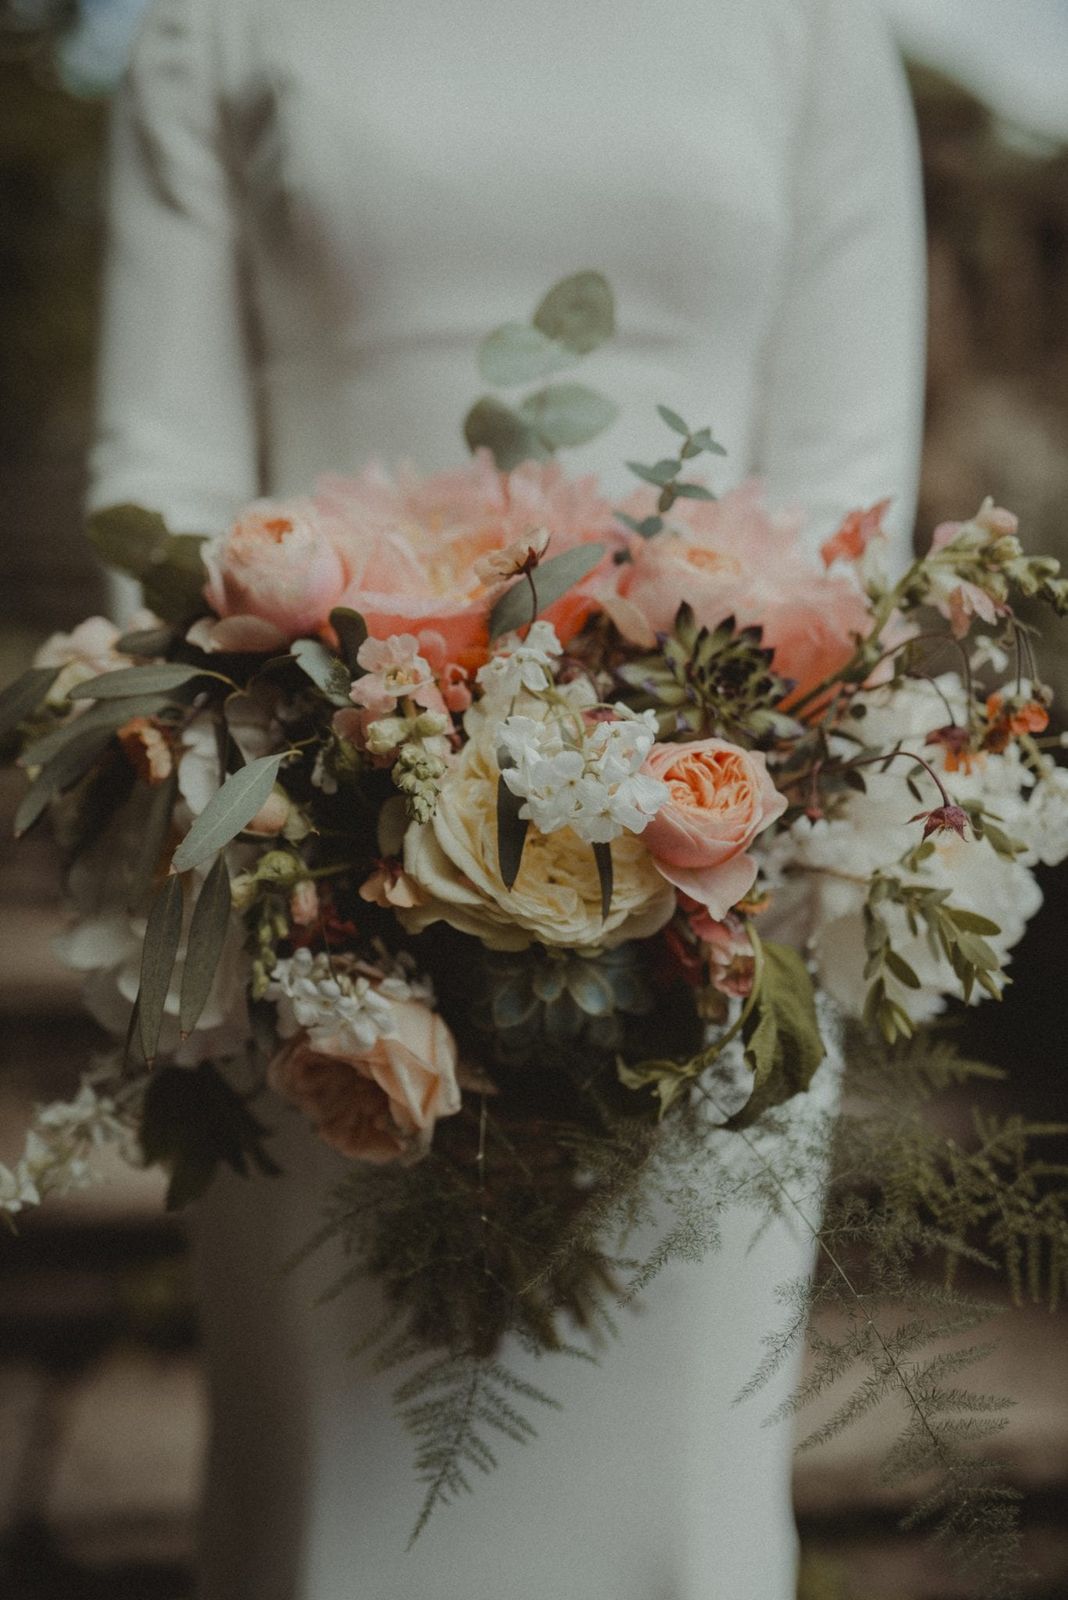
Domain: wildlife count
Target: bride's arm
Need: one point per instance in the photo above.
(844, 367)
(176, 418)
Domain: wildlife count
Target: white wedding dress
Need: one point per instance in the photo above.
(319, 206)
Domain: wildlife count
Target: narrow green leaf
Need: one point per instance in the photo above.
(147, 642)
(692, 491)
(24, 695)
(126, 536)
(501, 430)
(602, 854)
(579, 311)
(552, 579)
(229, 810)
(162, 938)
(207, 936)
(154, 833)
(520, 353)
(970, 921)
(351, 630)
(129, 681)
(71, 763)
(782, 1036)
(110, 714)
(511, 831)
(568, 414)
(900, 969)
(326, 670)
(673, 420)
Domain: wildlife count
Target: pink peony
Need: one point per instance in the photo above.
(381, 1104)
(412, 544)
(721, 798)
(275, 576)
(731, 558)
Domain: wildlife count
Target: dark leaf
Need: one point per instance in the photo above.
(511, 832)
(783, 1045)
(602, 854)
(552, 579)
(326, 670)
(229, 810)
(109, 714)
(126, 537)
(174, 582)
(579, 312)
(501, 430)
(147, 642)
(207, 936)
(162, 938)
(193, 1121)
(127, 682)
(71, 763)
(351, 630)
(23, 696)
(157, 825)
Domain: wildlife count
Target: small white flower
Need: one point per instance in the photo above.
(331, 1001)
(521, 664)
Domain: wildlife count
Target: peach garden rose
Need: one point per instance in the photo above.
(276, 575)
(378, 1103)
(722, 797)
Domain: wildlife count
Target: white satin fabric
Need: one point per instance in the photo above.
(318, 208)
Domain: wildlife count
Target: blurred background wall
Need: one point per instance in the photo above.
(101, 1414)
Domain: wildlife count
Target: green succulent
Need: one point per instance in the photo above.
(710, 681)
(540, 996)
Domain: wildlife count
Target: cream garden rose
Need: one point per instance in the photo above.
(556, 899)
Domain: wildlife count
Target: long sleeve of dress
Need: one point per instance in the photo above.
(842, 409)
(176, 416)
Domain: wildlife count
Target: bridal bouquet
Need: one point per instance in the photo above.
(523, 842)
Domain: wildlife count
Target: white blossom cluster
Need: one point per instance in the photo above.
(820, 871)
(521, 665)
(62, 1146)
(587, 778)
(330, 1000)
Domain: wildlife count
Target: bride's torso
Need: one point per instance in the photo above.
(408, 177)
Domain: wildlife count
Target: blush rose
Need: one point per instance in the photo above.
(721, 798)
(276, 575)
(380, 1104)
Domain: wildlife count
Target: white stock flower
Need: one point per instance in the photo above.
(331, 1001)
(521, 664)
(62, 1145)
(821, 870)
(586, 779)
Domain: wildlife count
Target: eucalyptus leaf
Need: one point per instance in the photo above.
(492, 425)
(154, 832)
(326, 670)
(70, 763)
(567, 414)
(579, 311)
(109, 714)
(511, 830)
(207, 936)
(351, 630)
(552, 578)
(520, 353)
(126, 536)
(162, 938)
(229, 810)
(602, 854)
(660, 473)
(23, 696)
(673, 420)
(147, 642)
(129, 681)
(692, 491)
